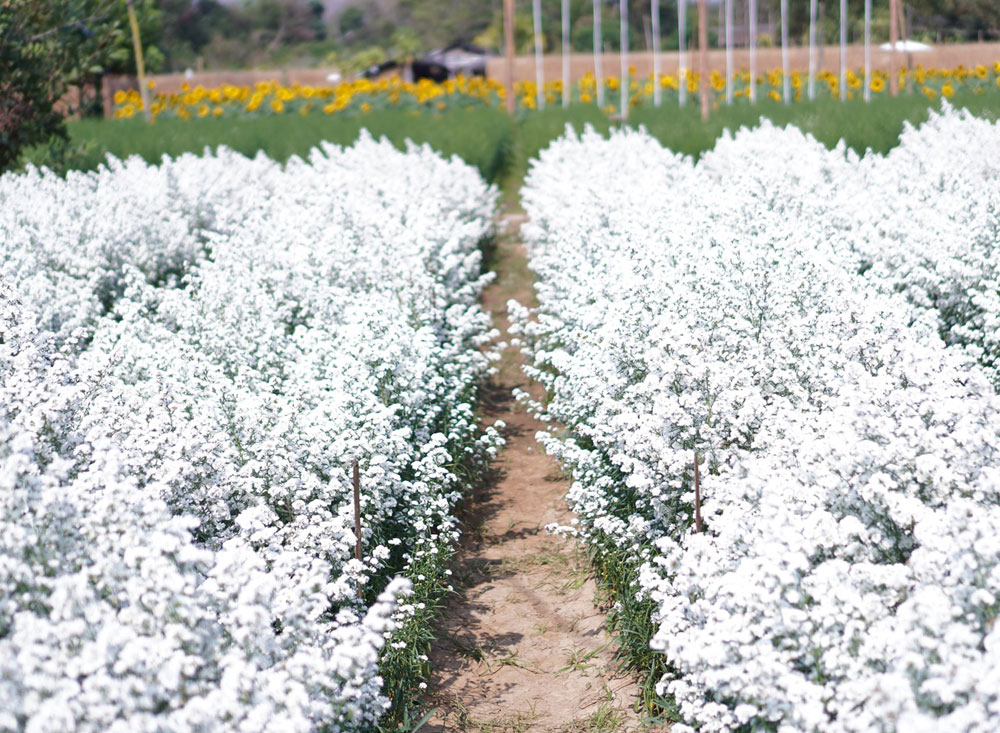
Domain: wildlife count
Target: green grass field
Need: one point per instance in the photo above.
(498, 146)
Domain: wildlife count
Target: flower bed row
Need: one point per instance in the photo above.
(192, 356)
(848, 573)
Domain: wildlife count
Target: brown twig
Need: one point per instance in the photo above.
(697, 496)
(357, 519)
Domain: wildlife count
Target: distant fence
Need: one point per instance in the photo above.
(944, 56)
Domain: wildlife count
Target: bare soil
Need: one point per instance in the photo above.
(523, 644)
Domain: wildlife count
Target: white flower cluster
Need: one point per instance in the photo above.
(848, 574)
(934, 225)
(191, 357)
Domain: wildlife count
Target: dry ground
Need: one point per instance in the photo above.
(523, 645)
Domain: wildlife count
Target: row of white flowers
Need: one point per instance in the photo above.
(848, 577)
(191, 357)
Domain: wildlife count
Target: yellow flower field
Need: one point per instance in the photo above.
(364, 95)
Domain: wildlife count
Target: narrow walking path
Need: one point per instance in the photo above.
(522, 646)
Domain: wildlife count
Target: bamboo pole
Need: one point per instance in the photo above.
(843, 50)
(729, 51)
(654, 11)
(703, 56)
(868, 51)
(786, 82)
(565, 54)
(598, 50)
(508, 32)
(682, 65)
(623, 31)
(140, 65)
(539, 74)
(893, 42)
(753, 50)
(812, 49)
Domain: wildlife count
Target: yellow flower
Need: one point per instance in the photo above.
(877, 84)
(277, 106)
(217, 112)
(366, 108)
(120, 97)
(928, 92)
(948, 91)
(773, 94)
(586, 98)
(203, 110)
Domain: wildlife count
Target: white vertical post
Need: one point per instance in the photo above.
(654, 11)
(868, 50)
(682, 66)
(812, 49)
(843, 50)
(539, 75)
(729, 51)
(753, 50)
(598, 50)
(786, 82)
(623, 31)
(565, 53)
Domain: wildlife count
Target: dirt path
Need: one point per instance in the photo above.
(522, 645)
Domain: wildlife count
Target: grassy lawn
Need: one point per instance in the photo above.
(499, 147)
(481, 136)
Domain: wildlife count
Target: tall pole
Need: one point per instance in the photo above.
(729, 51)
(868, 51)
(565, 53)
(753, 50)
(812, 49)
(682, 66)
(508, 32)
(536, 8)
(786, 82)
(140, 66)
(598, 50)
(623, 31)
(843, 50)
(654, 11)
(703, 56)
(893, 42)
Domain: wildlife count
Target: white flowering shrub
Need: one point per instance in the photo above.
(933, 225)
(189, 366)
(848, 574)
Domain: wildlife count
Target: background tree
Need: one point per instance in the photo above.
(48, 47)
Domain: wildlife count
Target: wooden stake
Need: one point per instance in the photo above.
(697, 496)
(357, 519)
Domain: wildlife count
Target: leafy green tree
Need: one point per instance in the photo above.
(46, 48)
